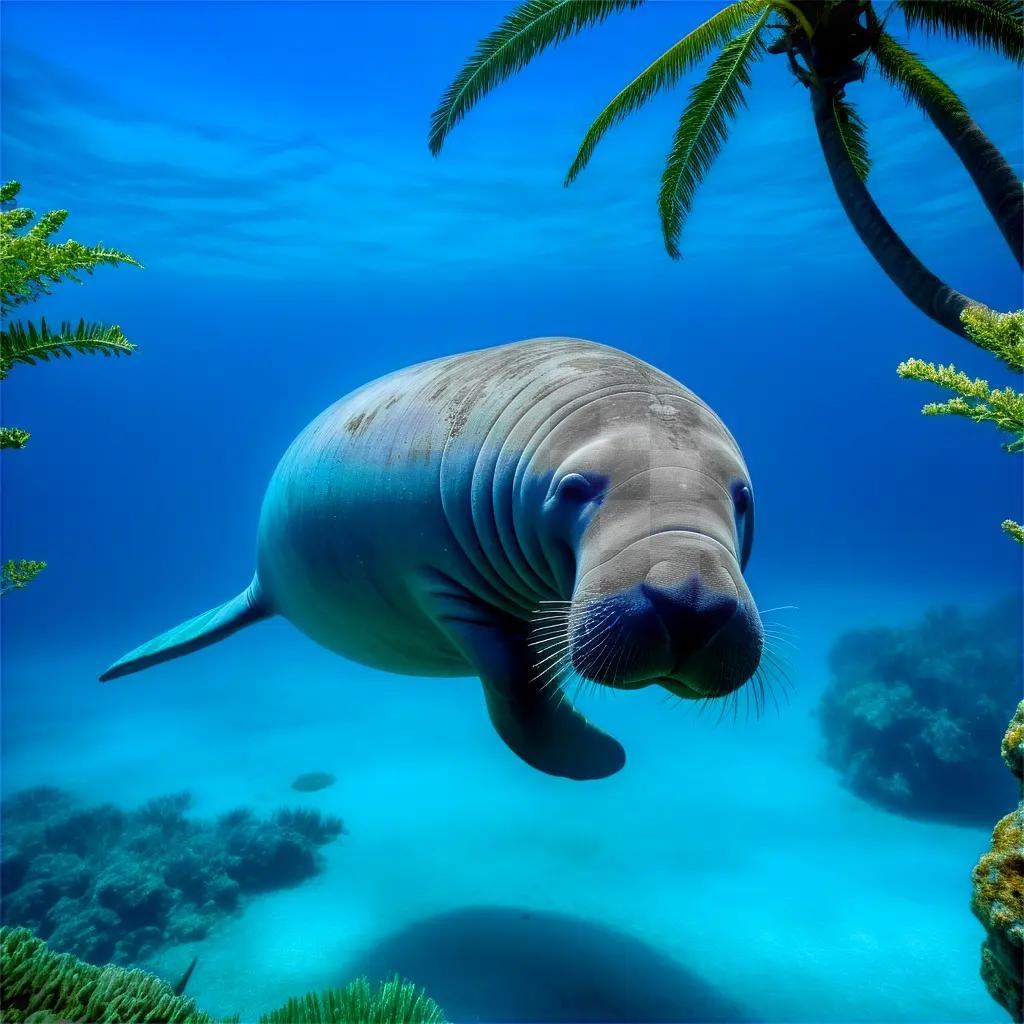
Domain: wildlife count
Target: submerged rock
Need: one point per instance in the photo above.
(312, 781)
(113, 885)
(911, 715)
(998, 900)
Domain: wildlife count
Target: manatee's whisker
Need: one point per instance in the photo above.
(605, 652)
(549, 620)
(782, 640)
(592, 637)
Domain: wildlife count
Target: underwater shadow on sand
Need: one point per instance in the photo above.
(501, 964)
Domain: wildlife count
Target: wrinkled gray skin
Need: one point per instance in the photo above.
(515, 513)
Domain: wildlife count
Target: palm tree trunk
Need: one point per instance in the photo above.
(993, 177)
(926, 291)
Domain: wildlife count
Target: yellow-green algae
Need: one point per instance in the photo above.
(38, 986)
(998, 900)
(1002, 334)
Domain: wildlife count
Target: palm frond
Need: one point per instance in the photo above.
(918, 83)
(853, 132)
(664, 73)
(13, 437)
(26, 343)
(703, 128)
(524, 34)
(993, 24)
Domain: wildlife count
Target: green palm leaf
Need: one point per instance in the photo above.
(998, 24)
(918, 83)
(665, 72)
(26, 343)
(703, 128)
(853, 132)
(525, 33)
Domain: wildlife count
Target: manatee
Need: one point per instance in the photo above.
(531, 513)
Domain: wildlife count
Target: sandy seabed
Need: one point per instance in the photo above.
(723, 875)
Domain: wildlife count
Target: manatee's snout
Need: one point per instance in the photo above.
(691, 614)
(714, 638)
(692, 628)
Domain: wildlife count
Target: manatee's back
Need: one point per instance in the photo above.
(381, 481)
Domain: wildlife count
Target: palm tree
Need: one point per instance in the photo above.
(828, 44)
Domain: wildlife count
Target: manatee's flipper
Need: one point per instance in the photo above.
(201, 631)
(538, 724)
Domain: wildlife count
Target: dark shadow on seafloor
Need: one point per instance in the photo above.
(504, 964)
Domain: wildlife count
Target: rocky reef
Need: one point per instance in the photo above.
(910, 715)
(998, 900)
(114, 885)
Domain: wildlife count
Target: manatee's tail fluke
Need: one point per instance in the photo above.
(203, 630)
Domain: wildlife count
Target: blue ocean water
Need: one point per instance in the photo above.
(267, 163)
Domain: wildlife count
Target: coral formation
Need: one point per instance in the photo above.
(41, 986)
(312, 781)
(909, 713)
(113, 885)
(998, 900)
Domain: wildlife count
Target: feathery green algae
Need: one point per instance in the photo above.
(30, 264)
(1002, 334)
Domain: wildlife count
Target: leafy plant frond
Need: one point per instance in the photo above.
(664, 73)
(12, 437)
(994, 24)
(394, 1002)
(974, 398)
(526, 32)
(17, 573)
(908, 73)
(853, 133)
(26, 343)
(1015, 530)
(703, 128)
(30, 263)
(1002, 334)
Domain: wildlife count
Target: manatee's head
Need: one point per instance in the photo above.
(657, 507)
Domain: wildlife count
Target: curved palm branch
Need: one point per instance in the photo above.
(998, 185)
(853, 133)
(997, 24)
(26, 343)
(664, 73)
(703, 128)
(524, 34)
(918, 83)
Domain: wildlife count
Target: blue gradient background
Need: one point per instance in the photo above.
(268, 164)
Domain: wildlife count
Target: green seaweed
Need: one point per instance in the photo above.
(41, 986)
(35, 982)
(1002, 334)
(30, 264)
(394, 1002)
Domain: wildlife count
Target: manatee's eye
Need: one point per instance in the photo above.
(743, 505)
(741, 498)
(579, 489)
